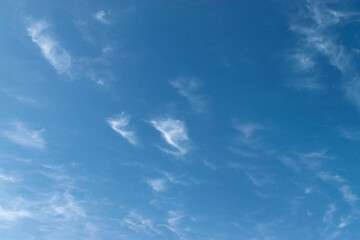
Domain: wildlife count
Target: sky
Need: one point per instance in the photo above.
(179, 120)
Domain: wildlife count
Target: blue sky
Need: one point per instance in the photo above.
(179, 119)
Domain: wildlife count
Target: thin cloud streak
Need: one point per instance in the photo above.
(100, 16)
(120, 124)
(175, 134)
(23, 135)
(13, 215)
(157, 185)
(317, 39)
(188, 88)
(57, 56)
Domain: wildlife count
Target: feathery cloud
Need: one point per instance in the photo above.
(329, 213)
(325, 176)
(314, 159)
(7, 178)
(120, 124)
(13, 215)
(57, 56)
(25, 136)
(247, 144)
(65, 205)
(290, 162)
(100, 16)
(350, 134)
(260, 181)
(318, 38)
(349, 196)
(157, 185)
(175, 134)
(188, 88)
(138, 223)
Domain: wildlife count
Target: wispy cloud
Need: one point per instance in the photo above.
(25, 136)
(161, 184)
(329, 214)
(20, 98)
(290, 162)
(7, 178)
(157, 185)
(210, 165)
(65, 205)
(57, 56)
(174, 224)
(100, 16)
(13, 215)
(325, 176)
(248, 129)
(314, 159)
(120, 124)
(175, 134)
(248, 142)
(138, 223)
(260, 181)
(318, 27)
(188, 88)
(349, 196)
(350, 134)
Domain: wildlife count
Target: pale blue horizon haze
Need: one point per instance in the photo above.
(179, 119)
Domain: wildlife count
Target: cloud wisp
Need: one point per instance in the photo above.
(100, 16)
(13, 215)
(24, 136)
(162, 183)
(318, 28)
(158, 184)
(138, 223)
(57, 56)
(120, 124)
(174, 133)
(247, 143)
(188, 88)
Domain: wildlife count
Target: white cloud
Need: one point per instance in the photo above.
(248, 143)
(248, 129)
(314, 159)
(325, 176)
(22, 99)
(303, 62)
(329, 213)
(352, 89)
(13, 215)
(7, 178)
(25, 136)
(343, 223)
(210, 165)
(318, 28)
(349, 196)
(290, 162)
(120, 124)
(158, 185)
(138, 223)
(174, 218)
(188, 88)
(308, 83)
(58, 57)
(175, 134)
(173, 223)
(260, 181)
(350, 134)
(100, 16)
(65, 205)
